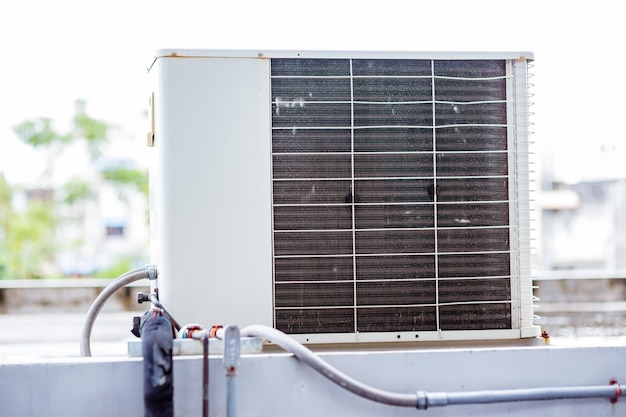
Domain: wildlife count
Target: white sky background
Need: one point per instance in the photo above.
(54, 52)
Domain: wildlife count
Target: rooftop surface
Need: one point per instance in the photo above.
(42, 335)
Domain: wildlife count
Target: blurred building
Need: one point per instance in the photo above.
(109, 225)
(583, 225)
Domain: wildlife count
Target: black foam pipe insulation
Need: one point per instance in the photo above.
(158, 381)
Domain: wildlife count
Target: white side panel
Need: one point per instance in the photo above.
(521, 164)
(211, 208)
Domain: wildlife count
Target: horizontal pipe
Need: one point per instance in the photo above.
(441, 399)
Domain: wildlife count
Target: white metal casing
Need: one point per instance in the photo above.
(211, 229)
(211, 189)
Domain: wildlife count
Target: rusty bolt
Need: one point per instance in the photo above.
(618, 390)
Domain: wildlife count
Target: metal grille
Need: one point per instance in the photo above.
(390, 195)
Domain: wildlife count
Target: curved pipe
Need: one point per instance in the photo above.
(307, 356)
(120, 282)
(423, 399)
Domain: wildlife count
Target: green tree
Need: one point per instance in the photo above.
(127, 178)
(40, 134)
(94, 132)
(31, 242)
(73, 198)
(5, 214)
(27, 239)
(76, 191)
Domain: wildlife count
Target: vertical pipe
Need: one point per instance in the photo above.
(205, 374)
(231, 396)
(232, 352)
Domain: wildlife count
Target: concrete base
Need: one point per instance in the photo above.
(187, 347)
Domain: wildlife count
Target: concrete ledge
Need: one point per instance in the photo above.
(279, 385)
(63, 283)
(31, 296)
(187, 347)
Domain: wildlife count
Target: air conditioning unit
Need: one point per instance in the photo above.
(344, 197)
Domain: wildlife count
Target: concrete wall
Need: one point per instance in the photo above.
(279, 385)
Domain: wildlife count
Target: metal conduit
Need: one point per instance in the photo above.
(422, 399)
(232, 353)
(426, 400)
(307, 356)
(123, 280)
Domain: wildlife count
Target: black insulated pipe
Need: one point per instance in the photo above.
(205, 374)
(158, 381)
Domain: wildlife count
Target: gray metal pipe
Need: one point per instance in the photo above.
(423, 399)
(129, 277)
(231, 396)
(442, 399)
(311, 359)
(232, 354)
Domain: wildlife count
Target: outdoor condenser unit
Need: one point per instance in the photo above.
(343, 196)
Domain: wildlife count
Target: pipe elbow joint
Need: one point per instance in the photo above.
(422, 400)
(153, 272)
(435, 399)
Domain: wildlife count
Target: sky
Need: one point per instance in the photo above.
(54, 52)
